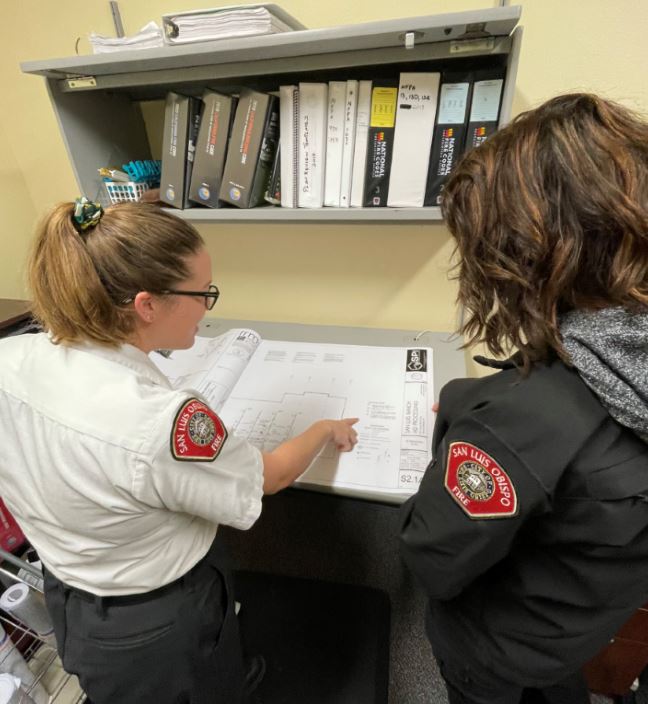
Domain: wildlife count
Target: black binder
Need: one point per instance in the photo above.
(251, 150)
(449, 132)
(380, 144)
(211, 148)
(273, 189)
(485, 104)
(181, 122)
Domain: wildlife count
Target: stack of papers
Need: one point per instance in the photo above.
(149, 37)
(224, 23)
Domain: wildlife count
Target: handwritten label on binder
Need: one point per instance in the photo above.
(413, 97)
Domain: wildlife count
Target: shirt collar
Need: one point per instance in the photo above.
(128, 356)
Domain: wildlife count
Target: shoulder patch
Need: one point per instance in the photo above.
(478, 483)
(198, 434)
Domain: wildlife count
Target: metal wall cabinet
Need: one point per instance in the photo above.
(98, 98)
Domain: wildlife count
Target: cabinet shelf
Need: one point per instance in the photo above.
(383, 34)
(323, 215)
(98, 99)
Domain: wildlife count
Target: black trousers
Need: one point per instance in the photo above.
(179, 644)
(464, 688)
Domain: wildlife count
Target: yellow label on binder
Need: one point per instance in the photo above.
(383, 107)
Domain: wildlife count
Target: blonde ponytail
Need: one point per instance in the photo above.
(80, 280)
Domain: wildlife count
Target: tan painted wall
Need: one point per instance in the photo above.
(16, 218)
(366, 275)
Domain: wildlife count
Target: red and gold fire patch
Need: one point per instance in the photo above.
(478, 483)
(198, 434)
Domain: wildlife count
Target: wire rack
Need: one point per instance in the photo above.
(40, 656)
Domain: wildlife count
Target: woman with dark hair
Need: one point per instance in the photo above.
(120, 481)
(529, 531)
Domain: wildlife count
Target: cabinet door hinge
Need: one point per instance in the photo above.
(460, 46)
(82, 82)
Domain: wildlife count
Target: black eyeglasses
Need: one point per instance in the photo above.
(210, 295)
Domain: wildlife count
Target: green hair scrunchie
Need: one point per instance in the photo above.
(86, 213)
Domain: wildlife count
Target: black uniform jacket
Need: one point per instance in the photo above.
(529, 531)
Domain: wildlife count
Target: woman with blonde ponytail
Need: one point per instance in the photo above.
(120, 481)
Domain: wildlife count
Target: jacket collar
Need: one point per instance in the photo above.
(510, 363)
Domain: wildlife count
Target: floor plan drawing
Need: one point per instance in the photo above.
(268, 391)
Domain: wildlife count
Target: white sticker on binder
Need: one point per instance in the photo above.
(485, 100)
(452, 103)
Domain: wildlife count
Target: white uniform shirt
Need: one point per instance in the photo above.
(94, 465)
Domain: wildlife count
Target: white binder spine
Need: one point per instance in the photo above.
(415, 113)
(334, 142)
(288, 137)
(350, 113)
(313, 102)
(360, 146)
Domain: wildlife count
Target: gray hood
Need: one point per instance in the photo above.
(609, 349)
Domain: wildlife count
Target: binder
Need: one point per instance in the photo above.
(289, 138)
(334, 142)
(485, 106)
(211, 148)
(348, 142)
(195, 118)
(273, 190)
(360, 146)
(269, 146)
(312, 144)
(449, 132)
(251, 151)
(181, 122)
(380, 143)
(415, 114)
